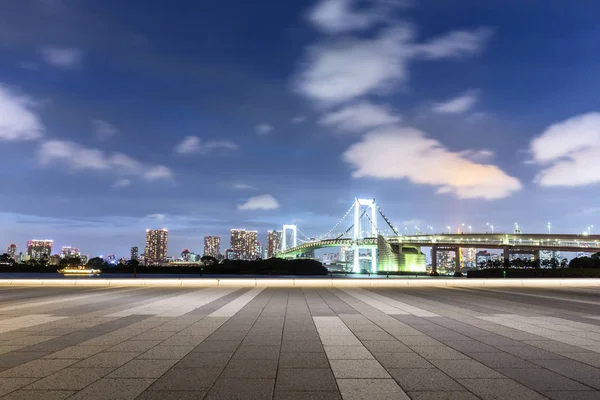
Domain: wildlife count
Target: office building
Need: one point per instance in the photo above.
(36, 249)
(273, 243)
(156, 246)
(482, 258)
(243, 243)
(237, 240)
(68, 251)
(212, 246)
(134, 253)
(259, 250)
(250, 242)
(12, 251)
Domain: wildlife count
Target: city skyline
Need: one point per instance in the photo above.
(445, 113)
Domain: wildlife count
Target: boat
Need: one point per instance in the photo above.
(79, 271)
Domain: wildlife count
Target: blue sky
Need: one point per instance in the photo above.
(205, 116)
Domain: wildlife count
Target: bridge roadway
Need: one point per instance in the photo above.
(509, 243)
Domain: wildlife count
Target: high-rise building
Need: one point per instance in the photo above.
(250, 242)
(36, 249)
(237, 240)
(156, 245)
(259, 250)
(212, 246)
(12, 251)
(134, 253)
(68, 251)
(273, 243)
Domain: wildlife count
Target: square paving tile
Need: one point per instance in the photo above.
(442, 396)
(348, 369)
(402, 360)
(203, 360)
(143, 369)
(372, 389)
(307, 396)
(70, 379)
(302, 346)
(542, 379)
(166, 352)
(251, 369)
(303, 360)
(8, 385)
(465, 369)
(108, 388)
(241, 389)
(386, 346)
(348, 353)
(420, 380)
(39, 395)
(107, 359)
(499, 389)
(305, 380)
(187, 379)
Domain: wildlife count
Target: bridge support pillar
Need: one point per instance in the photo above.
(536, 257)
(506, 254)
(457, 260)
(434, 251)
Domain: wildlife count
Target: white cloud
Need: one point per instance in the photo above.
(122, 183)
(158, 172)
(18, 121)
(262, 202)
(454, 44)
(406, 153)
(457, 105)
(568, 151)
(104, 129)
(193, 144)
(263, 129)
(336, 16)
(241, 186)
(298, 119)
(78, 157)
(359, 117)
(158, 217)
(340, 70)
(62, 57)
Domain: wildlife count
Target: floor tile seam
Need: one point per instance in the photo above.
(287, 301)
(396, 303)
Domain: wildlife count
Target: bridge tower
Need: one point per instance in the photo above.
(360, 231)
(285, 244)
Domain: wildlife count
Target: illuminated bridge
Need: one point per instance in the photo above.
(387, 250)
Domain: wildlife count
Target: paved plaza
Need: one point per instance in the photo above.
(299, 343)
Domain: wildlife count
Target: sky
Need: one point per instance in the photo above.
(200, 117)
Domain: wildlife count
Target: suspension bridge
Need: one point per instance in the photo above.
(376, 245)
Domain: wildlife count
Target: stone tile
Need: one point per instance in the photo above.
(217, 346)
(12, 359)
(554, 346)
(471, 346)
(107, 388)
(7, 349)
(305, 380)
(70, 379)
(203, 360)
(499, 389)
(420, 380)
(347, 353)
(187, 379)
(442, 396)
(300, 335)
(592, 359)
(374, 335)
(307, 396)
(166, 352)
(530, 353)
(303, 360)
(106, 359)
(570, 368)
(439, 353)
(8, 385)
(572, 395)
(77, 352)
(402, 360)
(365, 369)
(302, 346)
(37, 368)
(542, 379)
(241, 389)
(501, 360)
(143, 369)
(372, 389)
(385, 346)
(250, 369)
(419, 340)
(154, 335)
(134, 345)
(257, 353)
(172, 395)
(465, 369)
(339, 340)
(38, 395)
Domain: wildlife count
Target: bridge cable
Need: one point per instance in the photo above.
(338, 223)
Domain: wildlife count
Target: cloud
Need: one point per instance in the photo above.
(336, 16)
(193, 144)
(241, 186)
(158, 217)
(457, 105)
(262, 202)
(454, 44)
(104, 129)
(406, 153)
(298, 119)
(62, 57)
(157, 173)
(122, 183)
(18, 121)
(78, 157)
(359, 117)
(263, 129)
(339, 70)
(568, 151)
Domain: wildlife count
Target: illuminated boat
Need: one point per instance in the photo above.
(74, 271)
